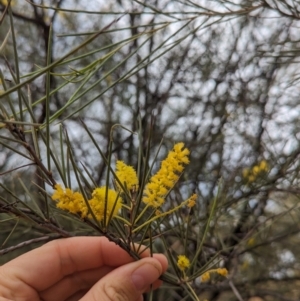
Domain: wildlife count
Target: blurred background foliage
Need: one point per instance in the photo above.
(221, 76)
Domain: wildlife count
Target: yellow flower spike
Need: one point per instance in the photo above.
(127, 176)
(205, 277)
(97, 203)
(250, 175)
(181, 153)
(192, 201)
(256, 170)
(223, 272)
(263, 165)
(183, 262)
(69, 200)
(159, 185)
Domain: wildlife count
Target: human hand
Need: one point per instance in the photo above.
(80, 268)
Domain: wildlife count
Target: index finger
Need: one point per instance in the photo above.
(44, 266)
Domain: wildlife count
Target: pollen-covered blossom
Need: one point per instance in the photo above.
(69, 200)
(192, 201)
(251, 174)
(183, 262)
(97, 203)
(159, 185)
(127, 176)
(205, 277)
(222, 272)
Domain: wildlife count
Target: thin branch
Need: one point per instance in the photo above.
(29, 242)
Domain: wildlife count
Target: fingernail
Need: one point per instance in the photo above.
(144, 275)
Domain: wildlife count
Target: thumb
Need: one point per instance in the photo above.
(128, 282)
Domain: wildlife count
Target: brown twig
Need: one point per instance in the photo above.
(16, 168)
(29, 242)
(19, 133)
(32, 217)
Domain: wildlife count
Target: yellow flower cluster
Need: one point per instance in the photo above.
(191, 202)
(159, 184)
(251, 174)
(69, 200)
(127, 176)
(107, 202)
(74, 202)
(206, 276)
(223, 272)
(183, 262)
(97, 203)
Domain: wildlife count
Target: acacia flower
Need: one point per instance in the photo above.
(192, 201)
(97, 203)
(223, 272)
(69, 200)
(127, 176)
(183, 262)
(256, 170)
(159, 184)
(205, 277)
(263, 165)
(251, 174)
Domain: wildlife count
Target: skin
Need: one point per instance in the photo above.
(80, 268)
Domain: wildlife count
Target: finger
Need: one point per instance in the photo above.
(76, 283)
(45, 266)
(128, 282)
